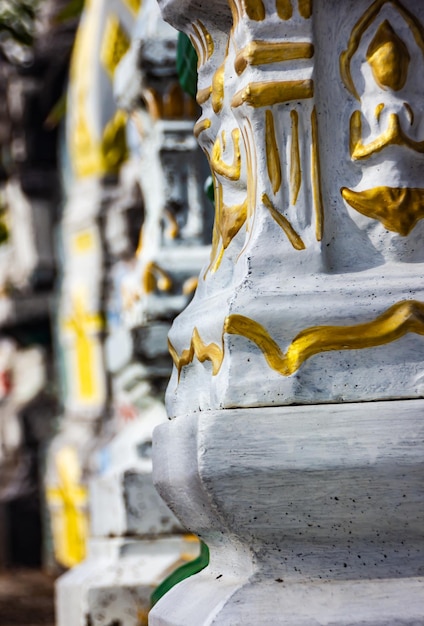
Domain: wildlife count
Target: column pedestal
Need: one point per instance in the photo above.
(313, 514)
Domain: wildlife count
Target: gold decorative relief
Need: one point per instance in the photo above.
(235, 11)
(203, 95)
(203, 352)
(295, 167)
(190, 285)
(228, 222)
(155, 278)
(305, 8)
(208, 39)
(218, 89)
(230, 171)
(255, 9)
(232, 218)
(250, 149)
(201, 45)
(262, 94)
(284, 9)
(267, 52)
(200, 126)
(378, 111)
(114, 45)
(389, 49)
(403, 317)
(398, 209)
(316, 179)
(283, 222)
(272, 152)
(388, 57)
(393, 135)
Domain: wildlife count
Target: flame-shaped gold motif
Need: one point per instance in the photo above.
(388, 57)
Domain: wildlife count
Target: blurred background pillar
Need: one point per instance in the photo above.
(152, 254)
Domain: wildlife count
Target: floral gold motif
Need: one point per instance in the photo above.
(398, 209)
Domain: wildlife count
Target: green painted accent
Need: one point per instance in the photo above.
(183, 572)
(187, 65)
(210, 189)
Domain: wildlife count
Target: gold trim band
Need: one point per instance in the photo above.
(403, 317)
(266, 52)
(263, 94)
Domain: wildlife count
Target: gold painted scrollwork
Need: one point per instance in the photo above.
(398, 209)
(228, 222)
(391, 48)
(203, 352)
(230, 171)
(202, 42)
(393, 135)
(403, 317)
(201, 126)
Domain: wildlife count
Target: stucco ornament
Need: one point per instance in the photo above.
(312, 123)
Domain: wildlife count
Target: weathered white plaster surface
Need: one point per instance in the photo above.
(313, 515)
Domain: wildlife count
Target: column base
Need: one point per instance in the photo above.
(314, 515)
(114, 584)
(212, 602)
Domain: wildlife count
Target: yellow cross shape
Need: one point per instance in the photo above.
(85, 326)
(67, 501)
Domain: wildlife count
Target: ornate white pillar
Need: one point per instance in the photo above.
(135, 541)
(313, 124)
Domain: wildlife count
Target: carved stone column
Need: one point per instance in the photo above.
(135, 541)
(313, 124)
